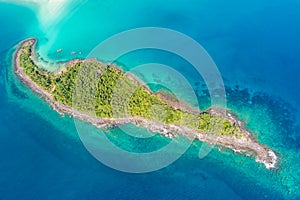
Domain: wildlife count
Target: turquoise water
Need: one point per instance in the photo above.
(255, 46)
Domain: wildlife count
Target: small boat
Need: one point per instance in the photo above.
(58, 50)
(73, 52)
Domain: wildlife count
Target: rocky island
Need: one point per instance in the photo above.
(104, 95)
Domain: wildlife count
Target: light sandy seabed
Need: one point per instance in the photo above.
(48, 10)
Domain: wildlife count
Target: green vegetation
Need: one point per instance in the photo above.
(39, 76)
(107, 92)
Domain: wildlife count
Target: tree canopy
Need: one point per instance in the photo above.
(108, 92)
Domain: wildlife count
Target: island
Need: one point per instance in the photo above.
(106, 96)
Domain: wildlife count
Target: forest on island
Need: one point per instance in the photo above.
(106, 91)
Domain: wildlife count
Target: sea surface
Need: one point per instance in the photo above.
(255, 45)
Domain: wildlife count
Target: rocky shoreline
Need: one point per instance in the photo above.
(245, 145)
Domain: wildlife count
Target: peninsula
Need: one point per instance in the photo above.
(104, 96)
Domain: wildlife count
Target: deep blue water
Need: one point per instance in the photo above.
(255, 46)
